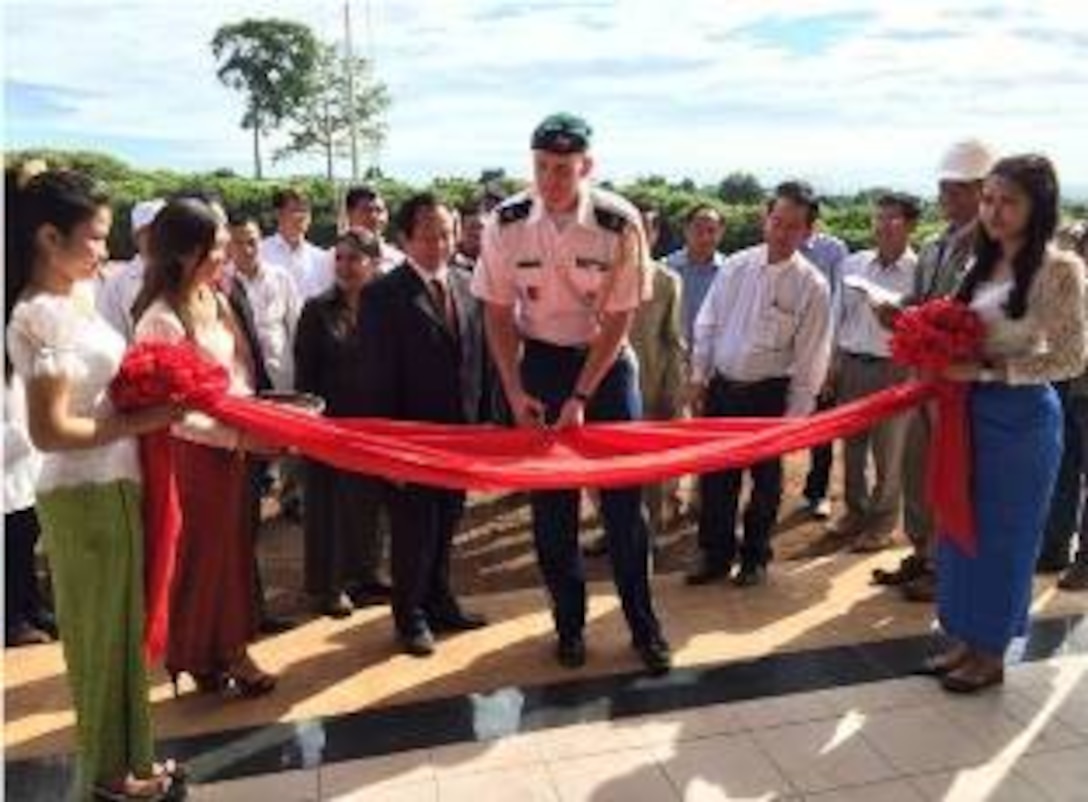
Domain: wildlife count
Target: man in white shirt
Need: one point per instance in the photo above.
(366, 210)
(272, 296)
(310, 267)
(863, 366)
(121, 288)
(761, 349)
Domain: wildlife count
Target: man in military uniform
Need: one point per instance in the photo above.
(562, 273)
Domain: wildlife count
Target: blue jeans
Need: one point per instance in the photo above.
(549, 373)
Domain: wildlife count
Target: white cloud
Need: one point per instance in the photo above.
(677, 88)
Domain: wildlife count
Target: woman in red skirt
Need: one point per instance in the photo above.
(213, 614)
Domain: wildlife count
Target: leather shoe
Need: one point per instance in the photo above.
(655, 655)
(706, 571)
(910, 568)
(336, 605)
(24, 634)
(1076, 578)
(571, 652)
(923, 589)
(457, 621)
(370, 594)
(274, 625)
(750, 576)
(972, 682)
(418, 644)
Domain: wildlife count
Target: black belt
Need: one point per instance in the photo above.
(732, 384)
(544, 347)
(865, 357)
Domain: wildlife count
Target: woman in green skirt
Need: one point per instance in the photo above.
(89, 489)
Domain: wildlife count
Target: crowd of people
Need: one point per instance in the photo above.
(546, 310)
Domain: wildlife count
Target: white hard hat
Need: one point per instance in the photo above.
(143, 212)
(969, 160)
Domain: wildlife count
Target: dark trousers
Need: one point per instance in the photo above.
(22, 598)
(820, 459)
(422, 523)
(549, 373)
(1065, 506)
(257, 474)
(720, 491)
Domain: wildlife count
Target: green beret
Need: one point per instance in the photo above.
(562, 133)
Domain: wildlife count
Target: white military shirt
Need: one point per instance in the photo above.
(560, 273)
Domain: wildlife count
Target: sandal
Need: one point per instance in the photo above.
(160, 788)
(249, 680)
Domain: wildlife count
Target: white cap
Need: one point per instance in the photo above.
(143, 212)
(969, 160)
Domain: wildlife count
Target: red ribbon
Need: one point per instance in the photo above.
(948, 469)
(461, 457)
(931, 337)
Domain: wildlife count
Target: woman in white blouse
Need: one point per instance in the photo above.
(1032, 299)
(88, 491)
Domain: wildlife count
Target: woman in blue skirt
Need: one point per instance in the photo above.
(1032, 299)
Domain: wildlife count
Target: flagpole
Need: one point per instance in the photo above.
(348, 66)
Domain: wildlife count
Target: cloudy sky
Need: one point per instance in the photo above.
(845, 93)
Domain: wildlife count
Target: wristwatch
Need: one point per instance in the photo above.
(581, 395)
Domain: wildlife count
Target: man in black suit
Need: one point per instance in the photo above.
(422, 335)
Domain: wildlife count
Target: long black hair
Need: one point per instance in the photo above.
(184, 228)
(63, 199)
(1035, 175)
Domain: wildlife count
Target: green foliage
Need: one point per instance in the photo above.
(322, 122)
(272, 61)
(743, 188)
(845, 217)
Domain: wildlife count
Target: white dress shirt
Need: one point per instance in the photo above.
(311, 267)
(761, 321)
(859, 332)
(274, 299)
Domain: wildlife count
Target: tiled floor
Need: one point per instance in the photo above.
(329, 667)
(900, 739)
(492, 717)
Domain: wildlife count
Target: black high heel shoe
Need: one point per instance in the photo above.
(249, 680)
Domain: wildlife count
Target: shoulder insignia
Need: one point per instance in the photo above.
(610, 219)
(512, 212)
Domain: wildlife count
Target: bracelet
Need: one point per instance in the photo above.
(580, 395)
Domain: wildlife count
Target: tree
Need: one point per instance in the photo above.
(272, 61)
(323, 121)
(739, 188)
